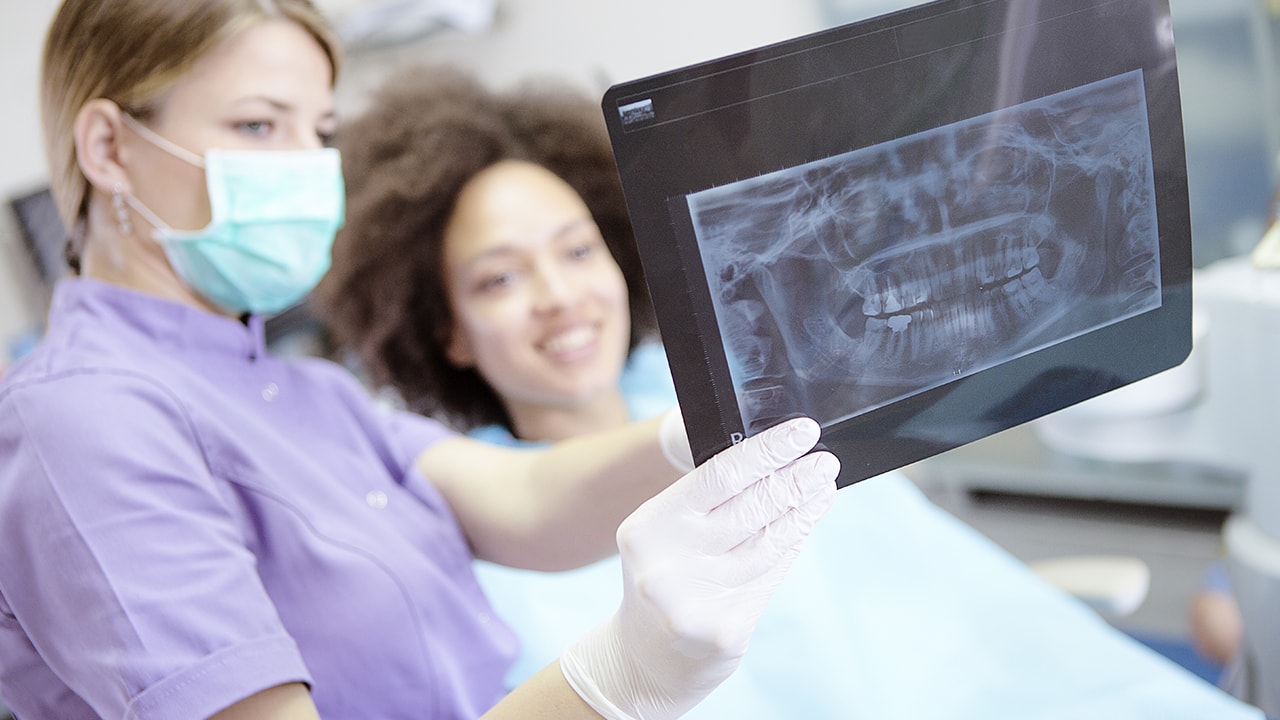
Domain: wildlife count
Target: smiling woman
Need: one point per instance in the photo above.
(541, 306)
(449, 272)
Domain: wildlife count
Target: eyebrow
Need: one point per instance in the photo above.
(570, 226)
(279, 105)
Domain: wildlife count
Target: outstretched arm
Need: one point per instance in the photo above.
(549, 509)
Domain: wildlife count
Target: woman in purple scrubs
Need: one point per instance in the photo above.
(193, 527)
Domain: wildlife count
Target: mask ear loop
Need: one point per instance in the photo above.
(162, 142)
(123, 222)
(119, 198)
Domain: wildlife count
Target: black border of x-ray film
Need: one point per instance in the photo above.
(867, 83)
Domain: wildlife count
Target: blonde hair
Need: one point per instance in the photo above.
(130, 52)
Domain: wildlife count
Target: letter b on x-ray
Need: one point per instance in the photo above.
(848, 283)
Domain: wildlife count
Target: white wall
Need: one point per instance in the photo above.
(595, 43)
(22, 24)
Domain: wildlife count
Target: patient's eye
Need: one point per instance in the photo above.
(493, 282)
(580, 251)
(584, 243)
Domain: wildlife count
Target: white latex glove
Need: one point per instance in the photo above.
(674, 440)
(699, 562)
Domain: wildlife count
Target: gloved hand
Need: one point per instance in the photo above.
(699, 562)
(674, 441)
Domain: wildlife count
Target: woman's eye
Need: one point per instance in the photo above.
(585, 247)
(255, 127)
(326, 138)
(494, 282)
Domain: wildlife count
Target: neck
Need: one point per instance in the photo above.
(552, 424)
(133, 261)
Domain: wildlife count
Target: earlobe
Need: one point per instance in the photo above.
(98, 132)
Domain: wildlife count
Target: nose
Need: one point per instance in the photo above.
(305, 139)
(553, 289)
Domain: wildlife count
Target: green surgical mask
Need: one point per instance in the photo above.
(270, 237)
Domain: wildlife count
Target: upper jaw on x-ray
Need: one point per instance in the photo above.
(850, 282)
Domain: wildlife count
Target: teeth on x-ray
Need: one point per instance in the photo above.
(847, 283)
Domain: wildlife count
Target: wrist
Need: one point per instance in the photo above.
(594, 664)
(674, 441)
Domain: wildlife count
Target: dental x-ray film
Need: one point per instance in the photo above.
(919, 229)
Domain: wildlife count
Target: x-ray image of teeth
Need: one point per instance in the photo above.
(844, 284)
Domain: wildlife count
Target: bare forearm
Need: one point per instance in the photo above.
(554, 509)
(591, 483)
(545, 695)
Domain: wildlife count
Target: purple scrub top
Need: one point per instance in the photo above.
(186, 520)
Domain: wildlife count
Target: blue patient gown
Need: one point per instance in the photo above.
(894, 610)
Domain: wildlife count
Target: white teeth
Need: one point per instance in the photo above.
(921, 295)
(986, 270)
(1030, 258)
(1034, 282)
(891, 302)
(570, 340)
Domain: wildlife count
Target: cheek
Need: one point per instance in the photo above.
(179, 195)
(622, 302)
(492, 333)
(611, 288)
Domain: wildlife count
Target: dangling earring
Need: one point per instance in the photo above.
(123, 223)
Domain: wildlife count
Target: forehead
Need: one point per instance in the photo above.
(512, 203)
(275, 59)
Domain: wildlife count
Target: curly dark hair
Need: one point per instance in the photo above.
(427, 132)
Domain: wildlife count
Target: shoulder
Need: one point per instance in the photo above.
(83, 440)
(89, 404)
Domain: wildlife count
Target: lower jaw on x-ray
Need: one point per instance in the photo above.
(847, 283)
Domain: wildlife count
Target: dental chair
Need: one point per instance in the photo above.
(1242, 298)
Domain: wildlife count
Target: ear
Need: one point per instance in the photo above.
(458, 350)
(100, 152)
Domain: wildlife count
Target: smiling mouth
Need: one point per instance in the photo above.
(570, 340)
